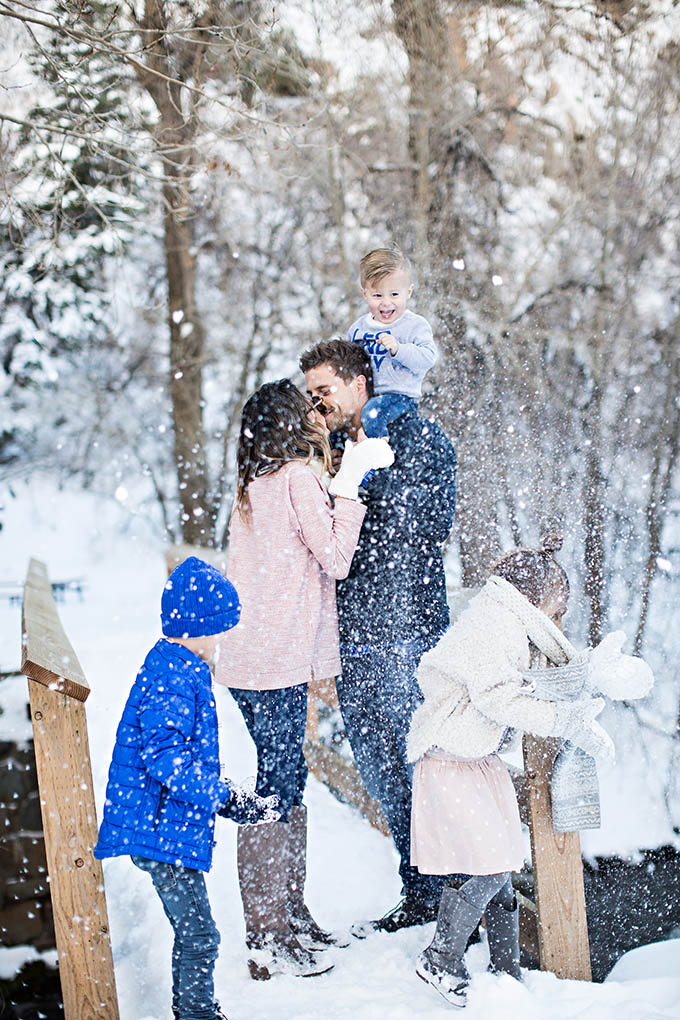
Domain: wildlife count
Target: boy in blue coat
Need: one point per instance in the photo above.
(164, 786)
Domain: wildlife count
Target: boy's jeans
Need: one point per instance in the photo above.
(379, 412)
(185, 901)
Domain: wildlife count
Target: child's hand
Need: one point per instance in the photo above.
(615, 674)
(245, 807)
(388, 341)
(595, 741)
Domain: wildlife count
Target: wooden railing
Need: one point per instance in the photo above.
(57, 691)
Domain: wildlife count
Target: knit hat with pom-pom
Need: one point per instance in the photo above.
(198, 601)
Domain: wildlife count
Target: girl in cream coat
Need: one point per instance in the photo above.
(465, 820)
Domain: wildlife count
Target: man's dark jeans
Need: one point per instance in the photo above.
(378, 693)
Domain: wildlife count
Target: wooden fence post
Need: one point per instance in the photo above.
(57, 691)
(563, 942)
(562, 927)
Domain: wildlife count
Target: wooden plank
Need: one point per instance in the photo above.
(177, 554)
(81, 923)
(558, 872)
(47, 655)
(342, 778)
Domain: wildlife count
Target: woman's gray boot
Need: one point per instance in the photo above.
(502, 931)
(442, 964)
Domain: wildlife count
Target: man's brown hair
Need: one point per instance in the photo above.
(380, 262)
(347, 360)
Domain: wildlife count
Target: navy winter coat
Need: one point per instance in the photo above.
(164, 782)
(396, 589)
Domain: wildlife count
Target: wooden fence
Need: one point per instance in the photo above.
(57, 691)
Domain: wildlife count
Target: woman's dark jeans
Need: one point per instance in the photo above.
(276, 721)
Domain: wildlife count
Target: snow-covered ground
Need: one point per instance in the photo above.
(352, 868)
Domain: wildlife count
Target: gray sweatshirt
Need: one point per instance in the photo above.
(403, 372)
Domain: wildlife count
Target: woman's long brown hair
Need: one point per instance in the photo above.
(276, 427)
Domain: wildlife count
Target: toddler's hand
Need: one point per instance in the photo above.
(388, 341)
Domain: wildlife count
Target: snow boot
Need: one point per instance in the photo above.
(262, 856)
(502, 931)
(309, 934)
(442, 964)
(412, 909)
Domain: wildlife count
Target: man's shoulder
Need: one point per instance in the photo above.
(421, 430)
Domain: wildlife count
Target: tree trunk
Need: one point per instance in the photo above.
(186, 367)
(175, 140)
(593, 500)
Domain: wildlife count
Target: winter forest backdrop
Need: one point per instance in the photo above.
(187, 188)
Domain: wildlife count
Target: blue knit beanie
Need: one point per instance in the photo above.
(198, 601)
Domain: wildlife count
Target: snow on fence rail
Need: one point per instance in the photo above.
(57, 690)
(553, 928)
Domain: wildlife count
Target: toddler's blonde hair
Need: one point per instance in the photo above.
(380, 262)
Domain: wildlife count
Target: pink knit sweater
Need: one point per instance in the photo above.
(284, 563)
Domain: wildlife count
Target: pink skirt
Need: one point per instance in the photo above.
(464, 818)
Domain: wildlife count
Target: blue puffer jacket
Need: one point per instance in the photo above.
(164, 782)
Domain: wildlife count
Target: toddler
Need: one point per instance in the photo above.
(164, 787)
(398, 342)
(465, 821)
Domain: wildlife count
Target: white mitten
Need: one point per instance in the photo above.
(595, 741)
(615, 674)
(571, 717)
(357, 460)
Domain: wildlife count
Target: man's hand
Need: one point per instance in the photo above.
(388, 341)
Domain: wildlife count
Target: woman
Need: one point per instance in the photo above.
(288, 545)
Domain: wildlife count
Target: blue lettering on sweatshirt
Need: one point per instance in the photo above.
(376, 351)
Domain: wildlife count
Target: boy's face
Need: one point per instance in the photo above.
(342, 401)
(205, 647)
(386, 298)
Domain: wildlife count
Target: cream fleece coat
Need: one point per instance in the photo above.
(472, 680)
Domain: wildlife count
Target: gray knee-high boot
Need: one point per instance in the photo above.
(309, 933)
(442, 964)
(262, 855)
(502, 930)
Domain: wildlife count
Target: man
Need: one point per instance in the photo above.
(392, 607)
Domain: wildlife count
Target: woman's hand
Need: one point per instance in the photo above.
(357, 460)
